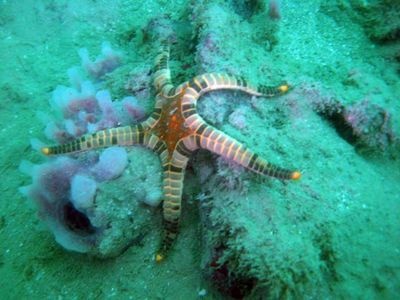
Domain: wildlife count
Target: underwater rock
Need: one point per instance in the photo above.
(365, 125)
(227, 281)
(238, 118)
(138, 83)
(256, 248)
(379, 19)
(159, 29)
(371, 125)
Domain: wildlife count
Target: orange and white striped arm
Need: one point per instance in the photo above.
(217, 142)
(173, 186)
(162, 74)
(174, 173)
(200, 85)
(159, 147)
(219, 81)
(122, 136)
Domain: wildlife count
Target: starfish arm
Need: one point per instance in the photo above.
(174, 172)
(159, 147)
(152, 120)
(219, 81)
(217, 142)
(162, 74)
(122, 136)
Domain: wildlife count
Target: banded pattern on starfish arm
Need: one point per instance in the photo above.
(174, 130)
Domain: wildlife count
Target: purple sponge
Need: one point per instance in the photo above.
(83, 190)
(49, 191)
(105, 63)
(132, 107)
(64, 188)
(112, 163)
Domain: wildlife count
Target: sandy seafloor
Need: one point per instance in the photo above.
(39, 42)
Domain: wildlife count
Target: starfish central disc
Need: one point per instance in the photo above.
(171, 128)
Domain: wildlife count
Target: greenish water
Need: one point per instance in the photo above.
(333, 234)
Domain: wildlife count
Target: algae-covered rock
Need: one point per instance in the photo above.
(120, 204)
(265, 237)
(379, 19)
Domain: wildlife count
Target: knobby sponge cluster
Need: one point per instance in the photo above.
(66, 189)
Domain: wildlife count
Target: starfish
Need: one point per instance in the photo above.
(175, 130)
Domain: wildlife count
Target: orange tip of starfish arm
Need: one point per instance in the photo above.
(283, 88)
(159, 257)
(45, 150)
(296, 175)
